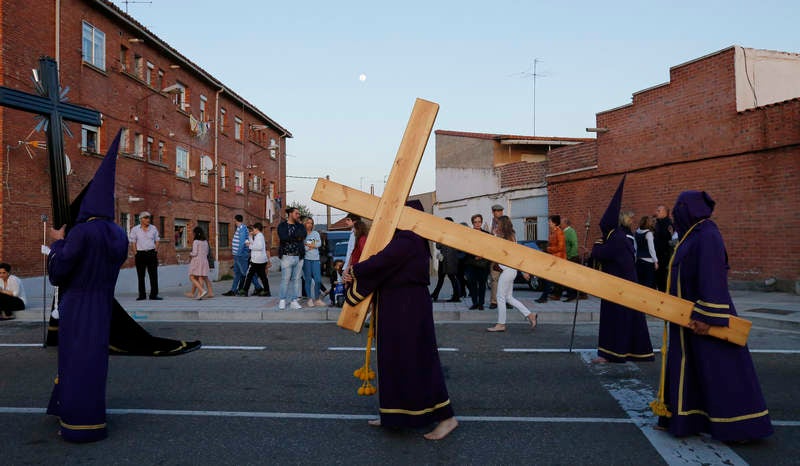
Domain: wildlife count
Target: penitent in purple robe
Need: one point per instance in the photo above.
(623, 334)
(85, 265)
(411, 387)
(711, 385)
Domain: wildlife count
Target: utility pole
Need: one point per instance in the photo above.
(532, 74)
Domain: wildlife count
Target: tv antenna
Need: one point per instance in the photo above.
(127, 2)
(532, 74)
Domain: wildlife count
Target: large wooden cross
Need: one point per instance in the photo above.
(49, 105)
(389, 213)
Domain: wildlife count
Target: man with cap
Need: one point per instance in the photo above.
(497, 212)
(144, 240)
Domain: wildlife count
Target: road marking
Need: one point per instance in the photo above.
(634, 396)
(361, 348)
(243, 348)
(21, 345)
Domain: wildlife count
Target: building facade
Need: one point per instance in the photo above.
(727, 123)
(475, 171)
(193, 152)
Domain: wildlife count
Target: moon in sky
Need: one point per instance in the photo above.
(362, 77)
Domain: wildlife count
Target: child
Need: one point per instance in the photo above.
(337, 283)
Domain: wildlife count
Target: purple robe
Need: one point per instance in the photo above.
(411, 387)
(85, 266)
(711, 385)
(623, 334)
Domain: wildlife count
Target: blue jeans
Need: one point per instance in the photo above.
(291, 270)
(240, 264)
(312, 271)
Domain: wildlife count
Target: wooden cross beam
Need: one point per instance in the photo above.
(605, 286)
(49, 105)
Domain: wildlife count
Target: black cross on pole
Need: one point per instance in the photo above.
(49, 105)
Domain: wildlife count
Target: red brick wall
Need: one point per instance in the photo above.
(688, 135)
(521, 173)
(27, 34)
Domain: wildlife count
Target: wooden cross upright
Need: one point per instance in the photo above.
(49, 105)
(389, 213)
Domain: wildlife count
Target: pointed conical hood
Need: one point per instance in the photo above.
(610, 219)
(98, 200)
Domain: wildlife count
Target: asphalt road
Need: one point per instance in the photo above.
(277, 393)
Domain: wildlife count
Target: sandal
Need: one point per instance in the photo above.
(497, 328)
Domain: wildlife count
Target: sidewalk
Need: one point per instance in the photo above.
(764, 309)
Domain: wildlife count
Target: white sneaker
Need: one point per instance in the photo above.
(295, 305)
(282, 304)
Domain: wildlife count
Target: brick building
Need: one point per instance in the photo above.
(193, 152)
(727, 123)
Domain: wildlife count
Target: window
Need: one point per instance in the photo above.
(238, 180)
(222, 120)
(160, 79)
(206, 164)
(237, 128)
(203, 101)
(94, 46)
(148, 148)
(148, 74)
(224, 238)
(160, 156)
(180, 233)
(124, 141)
(179, 99)
(90, 142)
(182, 162)
(138, 144)
(273, 151)
(531, 230)
(138, 64)
(123, 221)
(123, 58)
(223, 176)
(161, 220)
(255, 184)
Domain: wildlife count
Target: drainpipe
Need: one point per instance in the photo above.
(58, 31)
(216, 179)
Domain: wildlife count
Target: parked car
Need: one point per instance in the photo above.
(533, 282)
(334, 247)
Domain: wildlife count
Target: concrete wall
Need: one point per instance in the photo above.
(765, 77)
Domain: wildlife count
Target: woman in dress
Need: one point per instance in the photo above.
(198, 266)
(505, 283)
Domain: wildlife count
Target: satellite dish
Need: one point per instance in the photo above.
(67, 164)
(206, 163)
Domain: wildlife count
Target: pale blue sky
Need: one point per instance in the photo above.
(299, 62)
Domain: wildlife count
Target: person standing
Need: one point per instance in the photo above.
(349, 222)
(144, 240)
(571, 243)
(494, 271)
(12, 293)
(505, 283)
(411, 386)
(84, 263)
(477, 269)
(557, 247)
(312, 272)
(662, 235)
(709, 385)
(198, 265)
(646, 258)
(292, 235)
(259, 262)
(241, 255)
(623, 334)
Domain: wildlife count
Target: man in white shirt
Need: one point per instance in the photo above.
(351, 242)
(144, 241)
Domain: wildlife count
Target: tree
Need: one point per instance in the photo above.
(304, 210)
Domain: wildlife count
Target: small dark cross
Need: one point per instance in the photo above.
(50, 106)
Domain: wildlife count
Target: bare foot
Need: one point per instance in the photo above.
(599, 360)
(374, 422)
(442, 430)
(497, 328)
(533, 318)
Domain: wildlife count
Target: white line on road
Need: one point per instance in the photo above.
(361, 348)
(634, 396)
(243, 348)
(21, 345)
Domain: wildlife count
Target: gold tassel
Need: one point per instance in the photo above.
(658, 406)
(365, 373)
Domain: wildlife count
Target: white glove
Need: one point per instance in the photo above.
(45, 249)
